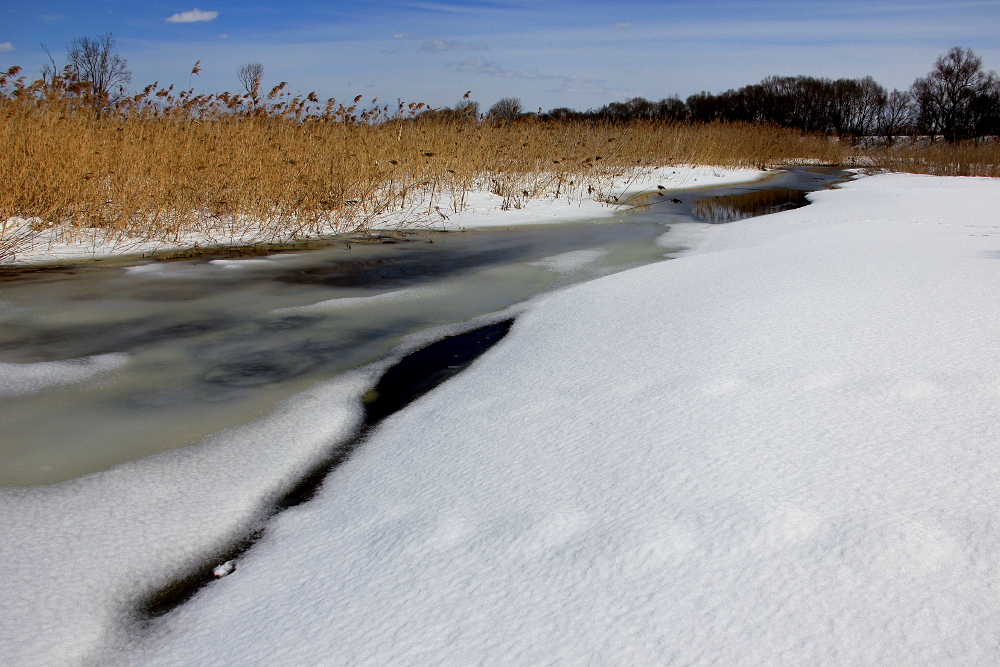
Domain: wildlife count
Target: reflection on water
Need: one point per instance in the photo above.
(737, 207)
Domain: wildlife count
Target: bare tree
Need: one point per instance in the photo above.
(985, 111)
(506, 109)
(250, 75)
(897, 115)
(467, 108)
(945, 96)
(95, 62)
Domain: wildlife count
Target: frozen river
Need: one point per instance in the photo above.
(106, 362)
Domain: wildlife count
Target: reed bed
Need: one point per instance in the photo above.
(164, 166)
(970, 158)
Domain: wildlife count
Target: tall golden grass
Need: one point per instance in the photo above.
(961, 159)
(162, 165)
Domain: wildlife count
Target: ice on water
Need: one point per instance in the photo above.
(26, 378)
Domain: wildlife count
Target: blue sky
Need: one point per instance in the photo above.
(556, 53)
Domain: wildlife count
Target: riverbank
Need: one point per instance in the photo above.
(779, 449)
(762, 437)
(478, 209)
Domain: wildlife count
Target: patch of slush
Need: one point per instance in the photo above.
(779, 449)
(143, 269)
(26, 378)
(169, 270)
(570, 261)
(331, 305)
(242, 263)
(209, 269)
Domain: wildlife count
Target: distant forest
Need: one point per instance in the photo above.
(957, 100)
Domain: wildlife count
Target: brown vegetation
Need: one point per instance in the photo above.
(277, 168)
(967, 158)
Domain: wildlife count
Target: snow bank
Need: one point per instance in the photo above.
(482, 209)
(75, 556)
(780, 449)
(31, 377)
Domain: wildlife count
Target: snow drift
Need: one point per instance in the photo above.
(780, 449)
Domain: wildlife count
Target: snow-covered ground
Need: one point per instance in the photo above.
(481, 209)
(778, 449)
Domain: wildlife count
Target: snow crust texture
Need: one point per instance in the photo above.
(780, 449)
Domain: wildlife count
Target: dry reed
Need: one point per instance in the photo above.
(159, 165)
(961, 159)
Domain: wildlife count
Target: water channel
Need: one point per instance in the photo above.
(106, 362)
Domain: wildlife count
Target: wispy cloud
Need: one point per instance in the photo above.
(457, 8)
(484, 66)
(440, 45)
(568, 83)
(192, 16)
(6, 47)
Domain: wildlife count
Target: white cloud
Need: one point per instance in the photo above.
(440, 45)
(622, 26)
(6, 47)
(192, 16)
(223, 36)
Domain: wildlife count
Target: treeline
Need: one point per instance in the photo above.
(956, 100)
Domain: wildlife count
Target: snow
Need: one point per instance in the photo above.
(76, 557)
(26, 378)
(481, 209)
(779, 449)
(484, 209)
